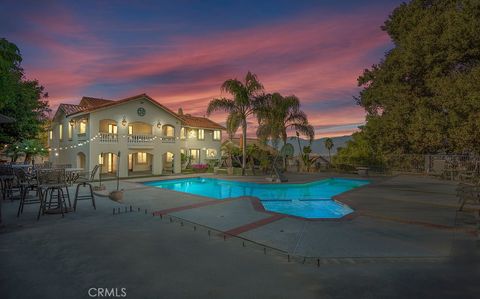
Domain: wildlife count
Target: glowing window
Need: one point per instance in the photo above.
(141, 158)
(70, 131)
(183, 134)
(211, 153)
(112, 129)
(192, 133)
(82, 129)
(100, 159)
(168, 131)
(60, 131)
(201, 134)
(50, 134)
(217, 135)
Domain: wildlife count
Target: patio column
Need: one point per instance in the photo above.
(124, 164)
(157, 163)
(177, 162)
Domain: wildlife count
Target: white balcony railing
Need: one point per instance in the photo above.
(168, 139)
(140, 139)
(108, 138)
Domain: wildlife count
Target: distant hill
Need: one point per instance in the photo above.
(318, 145)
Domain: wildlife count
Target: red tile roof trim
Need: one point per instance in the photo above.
(89, 104)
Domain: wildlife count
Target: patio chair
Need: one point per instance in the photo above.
(49, 182)
(85, 179)
(7, 179)
(26, 184)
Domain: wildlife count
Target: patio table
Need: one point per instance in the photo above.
(72, 174)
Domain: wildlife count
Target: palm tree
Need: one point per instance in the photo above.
(241, 106)
(277, 114)
(329, 146)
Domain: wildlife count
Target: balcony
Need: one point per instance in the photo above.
(168, 139)
(81, 136)
(108, 138)
(141, 139)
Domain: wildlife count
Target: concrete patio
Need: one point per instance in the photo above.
(406, 239)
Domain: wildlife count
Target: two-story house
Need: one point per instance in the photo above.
(149, 136)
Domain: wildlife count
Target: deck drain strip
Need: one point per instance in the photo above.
(316, 260)
(244, 228)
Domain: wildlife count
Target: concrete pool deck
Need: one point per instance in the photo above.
(404, 225)
(400, 216)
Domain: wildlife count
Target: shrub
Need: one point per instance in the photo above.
(200, 167)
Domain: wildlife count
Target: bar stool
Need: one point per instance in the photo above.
(50, 181)
(84, 180)
(26, 185)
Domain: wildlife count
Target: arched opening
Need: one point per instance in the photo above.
(108, 130)
(108, 163)
(140, 163)
(167, 162)
(81, 161)
(168, 131)
(108, 126)
(139, 128)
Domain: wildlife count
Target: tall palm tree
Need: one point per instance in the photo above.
(241, 106)
(277, 115)
(329, 146)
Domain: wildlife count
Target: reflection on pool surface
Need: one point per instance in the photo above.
(310, 200)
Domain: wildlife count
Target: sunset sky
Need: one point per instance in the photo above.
(180, 52)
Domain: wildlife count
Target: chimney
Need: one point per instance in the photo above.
(180, 111)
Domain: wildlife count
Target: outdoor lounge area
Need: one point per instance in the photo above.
(400, 222)
(240, 149)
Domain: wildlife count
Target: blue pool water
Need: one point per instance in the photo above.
(310, 200)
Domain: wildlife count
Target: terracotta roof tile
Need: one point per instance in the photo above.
(200, 122)
(88, 104)
(93, 102)
(71, 109)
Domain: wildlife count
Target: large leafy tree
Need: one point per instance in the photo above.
(22, 99)
(277, 115)
(424, 96)
(240, 106)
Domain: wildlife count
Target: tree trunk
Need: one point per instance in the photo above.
(244, 146)
(284, 137)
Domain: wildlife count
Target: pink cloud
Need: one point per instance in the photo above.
(317, 60)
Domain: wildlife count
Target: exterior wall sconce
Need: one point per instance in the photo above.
(72, 122)
(159, 125)
(124, 121)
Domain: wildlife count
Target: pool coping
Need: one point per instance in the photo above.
(257, 204)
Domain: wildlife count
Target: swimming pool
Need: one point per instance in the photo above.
(309, 200)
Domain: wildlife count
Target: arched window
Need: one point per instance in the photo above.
(168, 131)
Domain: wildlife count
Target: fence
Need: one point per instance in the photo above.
(267, 250)
(442, 165)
